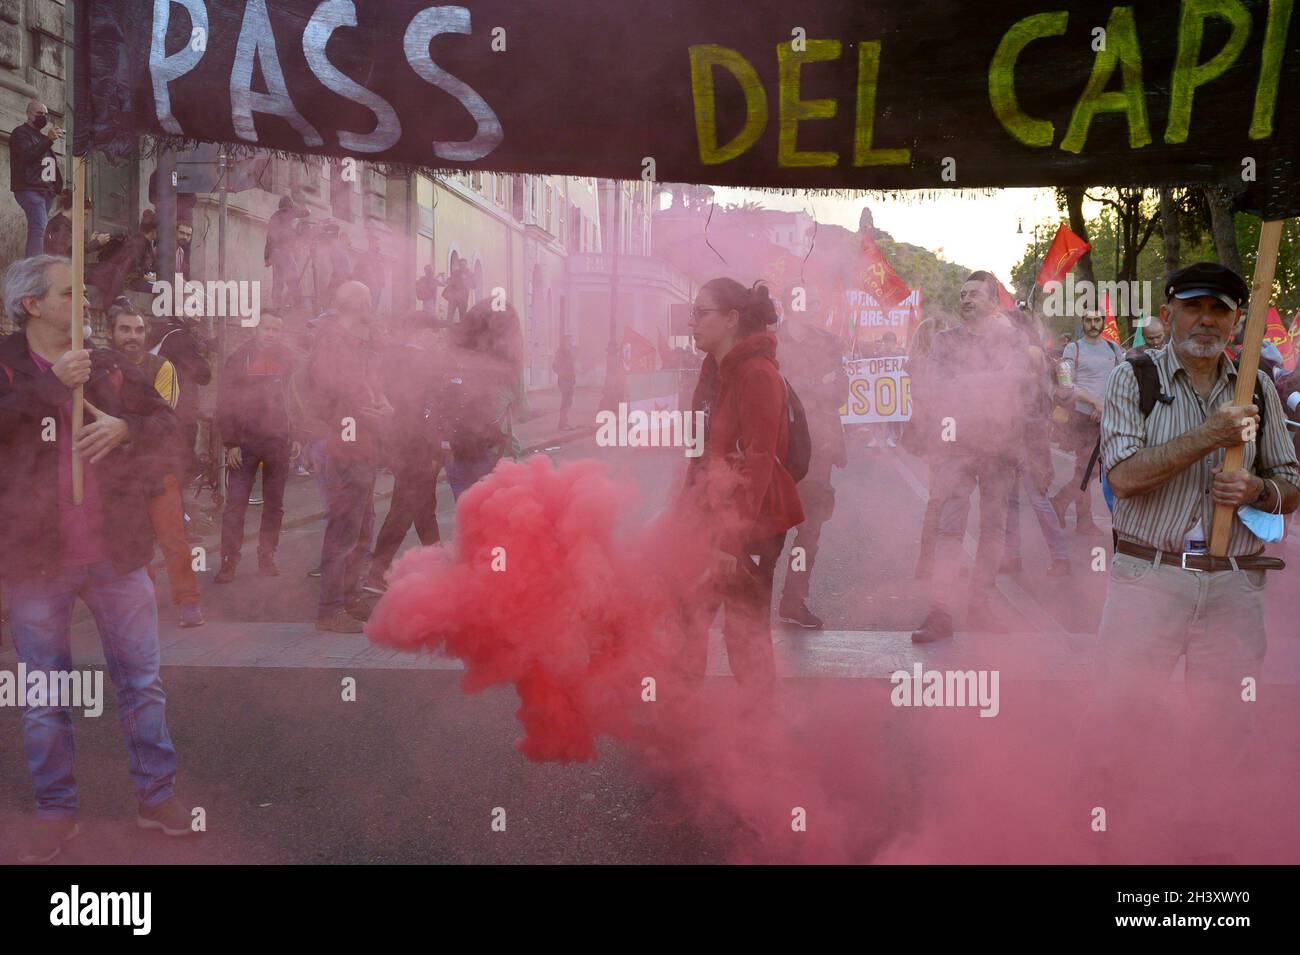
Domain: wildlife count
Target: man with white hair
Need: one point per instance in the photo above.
(53, 551)
(1167, 597)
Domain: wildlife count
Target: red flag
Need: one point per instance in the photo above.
(1109, 331)
(1006, 301)
(1293, 338)
(1066, 249)
(1276, 332)
(638, 353)
(878, 277)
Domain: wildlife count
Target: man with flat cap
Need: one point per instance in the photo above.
(1166, 596)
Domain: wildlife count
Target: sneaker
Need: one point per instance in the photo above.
(266, 566)
(341, 622)
(255, 499)
(1059, 568)
(800, 615)
(360, 609)
(1012, 567)
(890, 442)
(314, 572)
(376, 587)
(873, 443)
(301, 471)
(44, 839)
(937, 626)
(169, 816)
(191, 615)
(227, 572)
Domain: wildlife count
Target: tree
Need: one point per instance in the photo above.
(1138, 215)
(1072, 201)
(1169, 225)
(1223, 228)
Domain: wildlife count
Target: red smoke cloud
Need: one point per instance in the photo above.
(549, 589)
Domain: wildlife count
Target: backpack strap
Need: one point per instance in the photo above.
(1148, 379)
(1149, 392)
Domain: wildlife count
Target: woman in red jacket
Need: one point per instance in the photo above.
(746, 500)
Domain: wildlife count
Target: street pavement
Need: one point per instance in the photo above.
(413, 770)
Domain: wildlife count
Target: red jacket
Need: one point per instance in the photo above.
(739, 480)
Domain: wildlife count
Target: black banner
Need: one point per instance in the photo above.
(809, 94)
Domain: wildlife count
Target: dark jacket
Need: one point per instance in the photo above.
(343, 378)
(747, 435)
(180, 346)
(29, 503)
(815, 370)
(27, 151)
(253, 401)
(980, 381)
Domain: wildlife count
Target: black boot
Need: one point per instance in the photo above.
(796, 612)
(937, 626)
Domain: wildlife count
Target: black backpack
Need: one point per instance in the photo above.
(798, 451)
(1149, 392)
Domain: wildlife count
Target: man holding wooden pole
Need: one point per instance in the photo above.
(1203, 449)
(55, 548)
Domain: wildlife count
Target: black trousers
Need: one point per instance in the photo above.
(415, 501)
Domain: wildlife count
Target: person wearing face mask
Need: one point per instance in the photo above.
(33, 180)
(1166, 596)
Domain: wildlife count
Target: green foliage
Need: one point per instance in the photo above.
(939, 281)
(1197, 246)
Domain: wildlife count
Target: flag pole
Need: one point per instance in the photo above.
(1270, 235)
(78, 312)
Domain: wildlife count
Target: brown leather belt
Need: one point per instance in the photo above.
(1199, 562)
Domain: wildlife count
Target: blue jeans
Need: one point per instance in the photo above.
(126, 613)
(1053, 532)
(351, 487)
(36, 206)
(463, 473)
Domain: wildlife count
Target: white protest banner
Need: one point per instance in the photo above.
(880, 389)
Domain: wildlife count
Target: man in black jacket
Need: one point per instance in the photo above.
(53, 551)
(34, 176)
(253, 417)
(175, 340)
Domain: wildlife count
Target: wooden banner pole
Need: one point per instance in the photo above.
(78, 311)
(1270, 236)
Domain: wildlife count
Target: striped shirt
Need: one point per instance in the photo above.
(1162, 517)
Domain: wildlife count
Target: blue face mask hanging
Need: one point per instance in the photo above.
(1269, 528)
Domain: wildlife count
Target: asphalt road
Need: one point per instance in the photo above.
(414, 770)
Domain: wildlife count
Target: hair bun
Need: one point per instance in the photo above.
(764, 309)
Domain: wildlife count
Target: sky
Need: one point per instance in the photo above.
(977, 231)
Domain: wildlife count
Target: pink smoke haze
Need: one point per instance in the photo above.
(590, 604)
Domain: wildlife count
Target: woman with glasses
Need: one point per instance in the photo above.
(739, 488)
